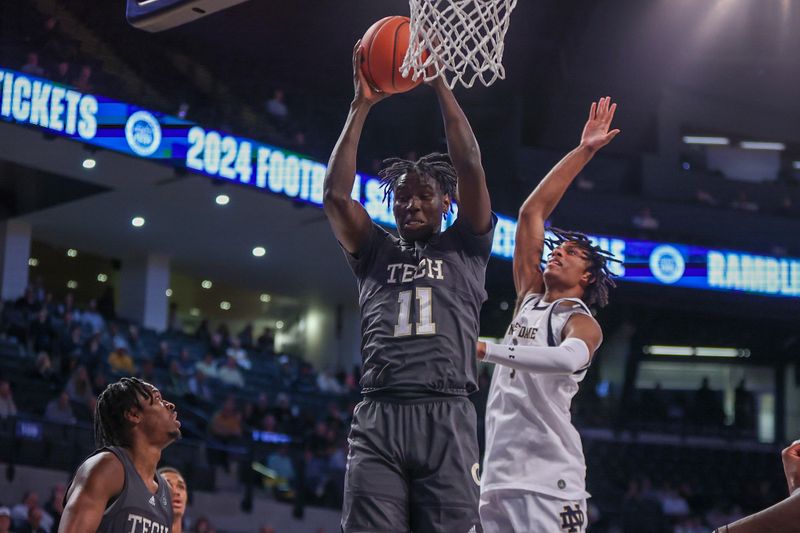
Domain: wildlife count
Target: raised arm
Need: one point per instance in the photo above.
(473, 196)
(98, 480)
(544, 199)
(348, 218)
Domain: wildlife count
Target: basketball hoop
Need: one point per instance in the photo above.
(465, 39)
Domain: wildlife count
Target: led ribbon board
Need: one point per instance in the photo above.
(138, 132)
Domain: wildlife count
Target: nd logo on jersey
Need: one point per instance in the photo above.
(572, 519)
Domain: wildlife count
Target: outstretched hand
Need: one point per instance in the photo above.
(364, 91)
(596, 132)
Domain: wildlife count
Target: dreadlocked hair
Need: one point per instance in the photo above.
(437, 166)
(596, 294)
(110, 426)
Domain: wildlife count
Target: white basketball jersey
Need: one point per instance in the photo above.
(531, 443)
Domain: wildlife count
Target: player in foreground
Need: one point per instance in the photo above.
(117, 488)
(534, 471)
(413, 445)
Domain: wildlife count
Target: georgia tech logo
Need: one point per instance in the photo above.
(475, 476)
(667, 264)
(143, 133)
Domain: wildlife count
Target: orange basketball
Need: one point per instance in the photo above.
(383, 48)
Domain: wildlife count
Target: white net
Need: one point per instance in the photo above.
(464, 40)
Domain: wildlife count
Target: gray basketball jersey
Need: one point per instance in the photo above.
(420, 307)
(136, 509)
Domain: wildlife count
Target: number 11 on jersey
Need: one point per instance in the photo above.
(425, 326)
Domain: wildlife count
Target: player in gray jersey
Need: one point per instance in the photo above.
(177, 485)
(534, 469)
(413, 457)
(117, 489)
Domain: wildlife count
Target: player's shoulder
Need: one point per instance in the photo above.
(103, 473)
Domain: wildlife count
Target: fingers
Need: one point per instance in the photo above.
(357, 55)
(611, 134)
(592, 110)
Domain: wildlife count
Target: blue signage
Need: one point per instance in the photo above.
(132, 130)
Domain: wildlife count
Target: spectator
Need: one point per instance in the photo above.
(162, 357)
(260, 410)
(744, 410)
(44, 369)
(62, 74)
(705, 198)
(121, 363)
(276, 106)
(105, 304)
(69, 307)
(92, 318)
(266, 341)
(79, 388)
(743, 203)
(202, 333)
(226, 424)
(134, 340)
(59, 410)
(174, 322)
(118, 340)
(199, 387)
(41, 333)
(246, 337)
(93, 355)
(239, 354)
(186, 363)
(22, 513)
(7, 406)
(5, 520)
(707, 407)
(217, 347)
(70, 345)
(207, 366)
(230, 374)
(327, 383)
(280, 462)
(176, 381)
(31, 65)
(35, 522)
(148, 372)
(83, 82)
(644, 220)
(99, 383)
(55, 505)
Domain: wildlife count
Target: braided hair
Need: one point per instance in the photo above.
(110, 426)
(602, 281)
(437, 166)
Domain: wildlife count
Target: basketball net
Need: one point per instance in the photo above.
(464, 39)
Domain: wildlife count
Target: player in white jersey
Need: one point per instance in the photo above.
(534, 471)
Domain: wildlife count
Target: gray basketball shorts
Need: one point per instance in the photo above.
(412, 466)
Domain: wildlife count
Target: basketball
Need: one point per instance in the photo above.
(384, 46)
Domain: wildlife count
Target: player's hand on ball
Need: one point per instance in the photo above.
(364, 92)
(791, 465)
(596, 132)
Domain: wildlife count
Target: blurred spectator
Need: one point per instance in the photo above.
(207, 366)
(174, 322)
(34, 522)
(121, 363)
(70, 345)
(645, 220)
(92, 318)
(59, 410)
(260, 410)
(202, 333)
(148, 372)
(199, 387)
(41, 333)
(32, 66)
(7, 406)
(176, 381)
(134, 340)
(246, 337)
(55, 505)
(276, 106)
(239, 354)
(161, 359)
(281, 463)
(707, 410)
(186, 363)
(230, 375)
(99, 383)
(44, 369)
(217, 346)
(93, 355)
(118, 340)
(62, 74)
(105, 304)
(79, 388)
(327, 383)
(705, 198)
(202, 525)
(743, 203)
(226, 424)
(5, 520)
(24, 511)
(83, 82)
(69, 307)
